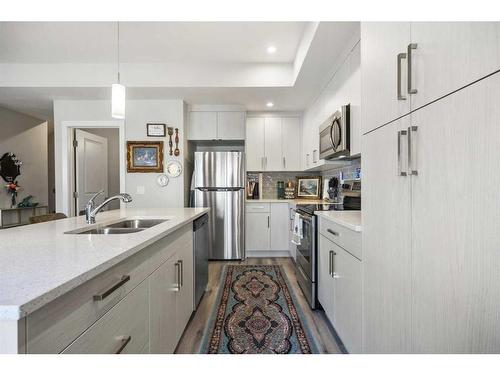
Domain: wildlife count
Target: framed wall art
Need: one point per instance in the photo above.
(156, 130)
(309, 187)
(144, 157)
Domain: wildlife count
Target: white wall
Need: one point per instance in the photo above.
(26, 137)
(343, 88)
(138, 114)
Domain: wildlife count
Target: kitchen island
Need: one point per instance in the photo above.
(60, 291)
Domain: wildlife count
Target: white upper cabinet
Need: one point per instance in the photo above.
(231, 125)
(202, 125)
(383, 49)
(255, 144)
(450, 55)
(216, 125)
(273, 143)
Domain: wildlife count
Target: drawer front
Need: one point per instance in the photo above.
(258, 207)
(342, 236)
(122, 330)
(53, 327)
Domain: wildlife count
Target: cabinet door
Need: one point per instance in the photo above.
(185, 296)
(450, 55)
(279, 227)
(231, 125)
(347, 299)
(386, 243)
(455, 216)
(272, 138)
(163, 290)
(257, 233)
(255, 144)
(325, 279)
(202, 125)
(290, 131)
(381, 42)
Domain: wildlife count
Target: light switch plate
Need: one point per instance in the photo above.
(141, 190)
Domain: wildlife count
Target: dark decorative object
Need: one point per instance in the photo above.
(10, 167)
(12, 189)
(177, 151)
(26, 202)
(170, 144)
(156, 130)
(256, 313)
(145, 157)
(309, 187)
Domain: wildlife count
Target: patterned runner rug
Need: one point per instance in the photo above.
(256, 313)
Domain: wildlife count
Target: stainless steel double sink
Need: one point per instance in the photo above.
(122, 227)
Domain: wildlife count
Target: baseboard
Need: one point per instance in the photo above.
(268, 254)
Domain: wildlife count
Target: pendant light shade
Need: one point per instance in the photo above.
(118, 101)
(117, 89)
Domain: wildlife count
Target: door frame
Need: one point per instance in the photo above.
(65, 203)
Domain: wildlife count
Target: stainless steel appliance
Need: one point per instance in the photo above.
(201, 246)
(307, 250)
(334, 135)
(219, 183)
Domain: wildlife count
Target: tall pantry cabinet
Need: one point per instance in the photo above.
(430, 207)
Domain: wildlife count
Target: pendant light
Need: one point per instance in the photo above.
(117, 89)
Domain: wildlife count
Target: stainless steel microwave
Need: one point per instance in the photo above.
(334, 135)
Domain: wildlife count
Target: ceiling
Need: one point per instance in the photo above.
(202, 63)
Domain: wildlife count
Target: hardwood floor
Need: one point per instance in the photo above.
(316, 320)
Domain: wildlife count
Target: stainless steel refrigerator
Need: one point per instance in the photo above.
(218, 183)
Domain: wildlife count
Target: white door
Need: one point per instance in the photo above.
(386, 242)
(202, 125)
(325, 279)
(381, 42)
(279, 227)
(257, 231)
(347, 300)
(455, 216)
(91, 168)
(290, 130)
(449, 55)
(272, 138)
(231, 125)
(255, 144)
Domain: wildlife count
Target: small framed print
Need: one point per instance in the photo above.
(156, 130)
(309, 187)
(144, 157)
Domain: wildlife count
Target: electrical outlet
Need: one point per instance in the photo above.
(141, 190)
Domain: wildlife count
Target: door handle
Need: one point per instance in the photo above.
(262, 162)
(268, 222)
(284, 163)
(411, 154)
(177, 275)
(307, 160)
(181, 273)
(400, 168)
(401, 56)
(330, 263)
(411, 46)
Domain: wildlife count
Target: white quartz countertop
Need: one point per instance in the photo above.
(39, 262)
(348, 219)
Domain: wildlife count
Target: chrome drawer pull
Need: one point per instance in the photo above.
(100, 297)
(124, 343)
(177, 275)
(332, 232)
(181, 272)
(400, 57)
(411, 46)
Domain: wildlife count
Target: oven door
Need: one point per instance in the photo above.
(306, 251)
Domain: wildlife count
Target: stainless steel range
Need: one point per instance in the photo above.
(307, 250)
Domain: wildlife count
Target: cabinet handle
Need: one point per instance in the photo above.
(123, 343)
(411, 156)
(400, 168)
(123, 280)
(332, 232)
(401, 56)
(177, 275)
(284, 163)
(307, 160)
(411, 46)
(262, 162)
(181, 272)
(268, 222)
(315, 160)
(330, 264)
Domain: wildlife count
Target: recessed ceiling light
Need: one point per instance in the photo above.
(270, 104)
(271, 49)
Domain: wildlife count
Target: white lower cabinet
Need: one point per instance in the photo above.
(339, 288)
(257, 231)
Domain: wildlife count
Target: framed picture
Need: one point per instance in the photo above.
(145, 157)
(309, 187)
(156, 130)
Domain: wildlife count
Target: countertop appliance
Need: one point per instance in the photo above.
(219, 183)
(201, 246)
(334, 135)
(307, 250)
